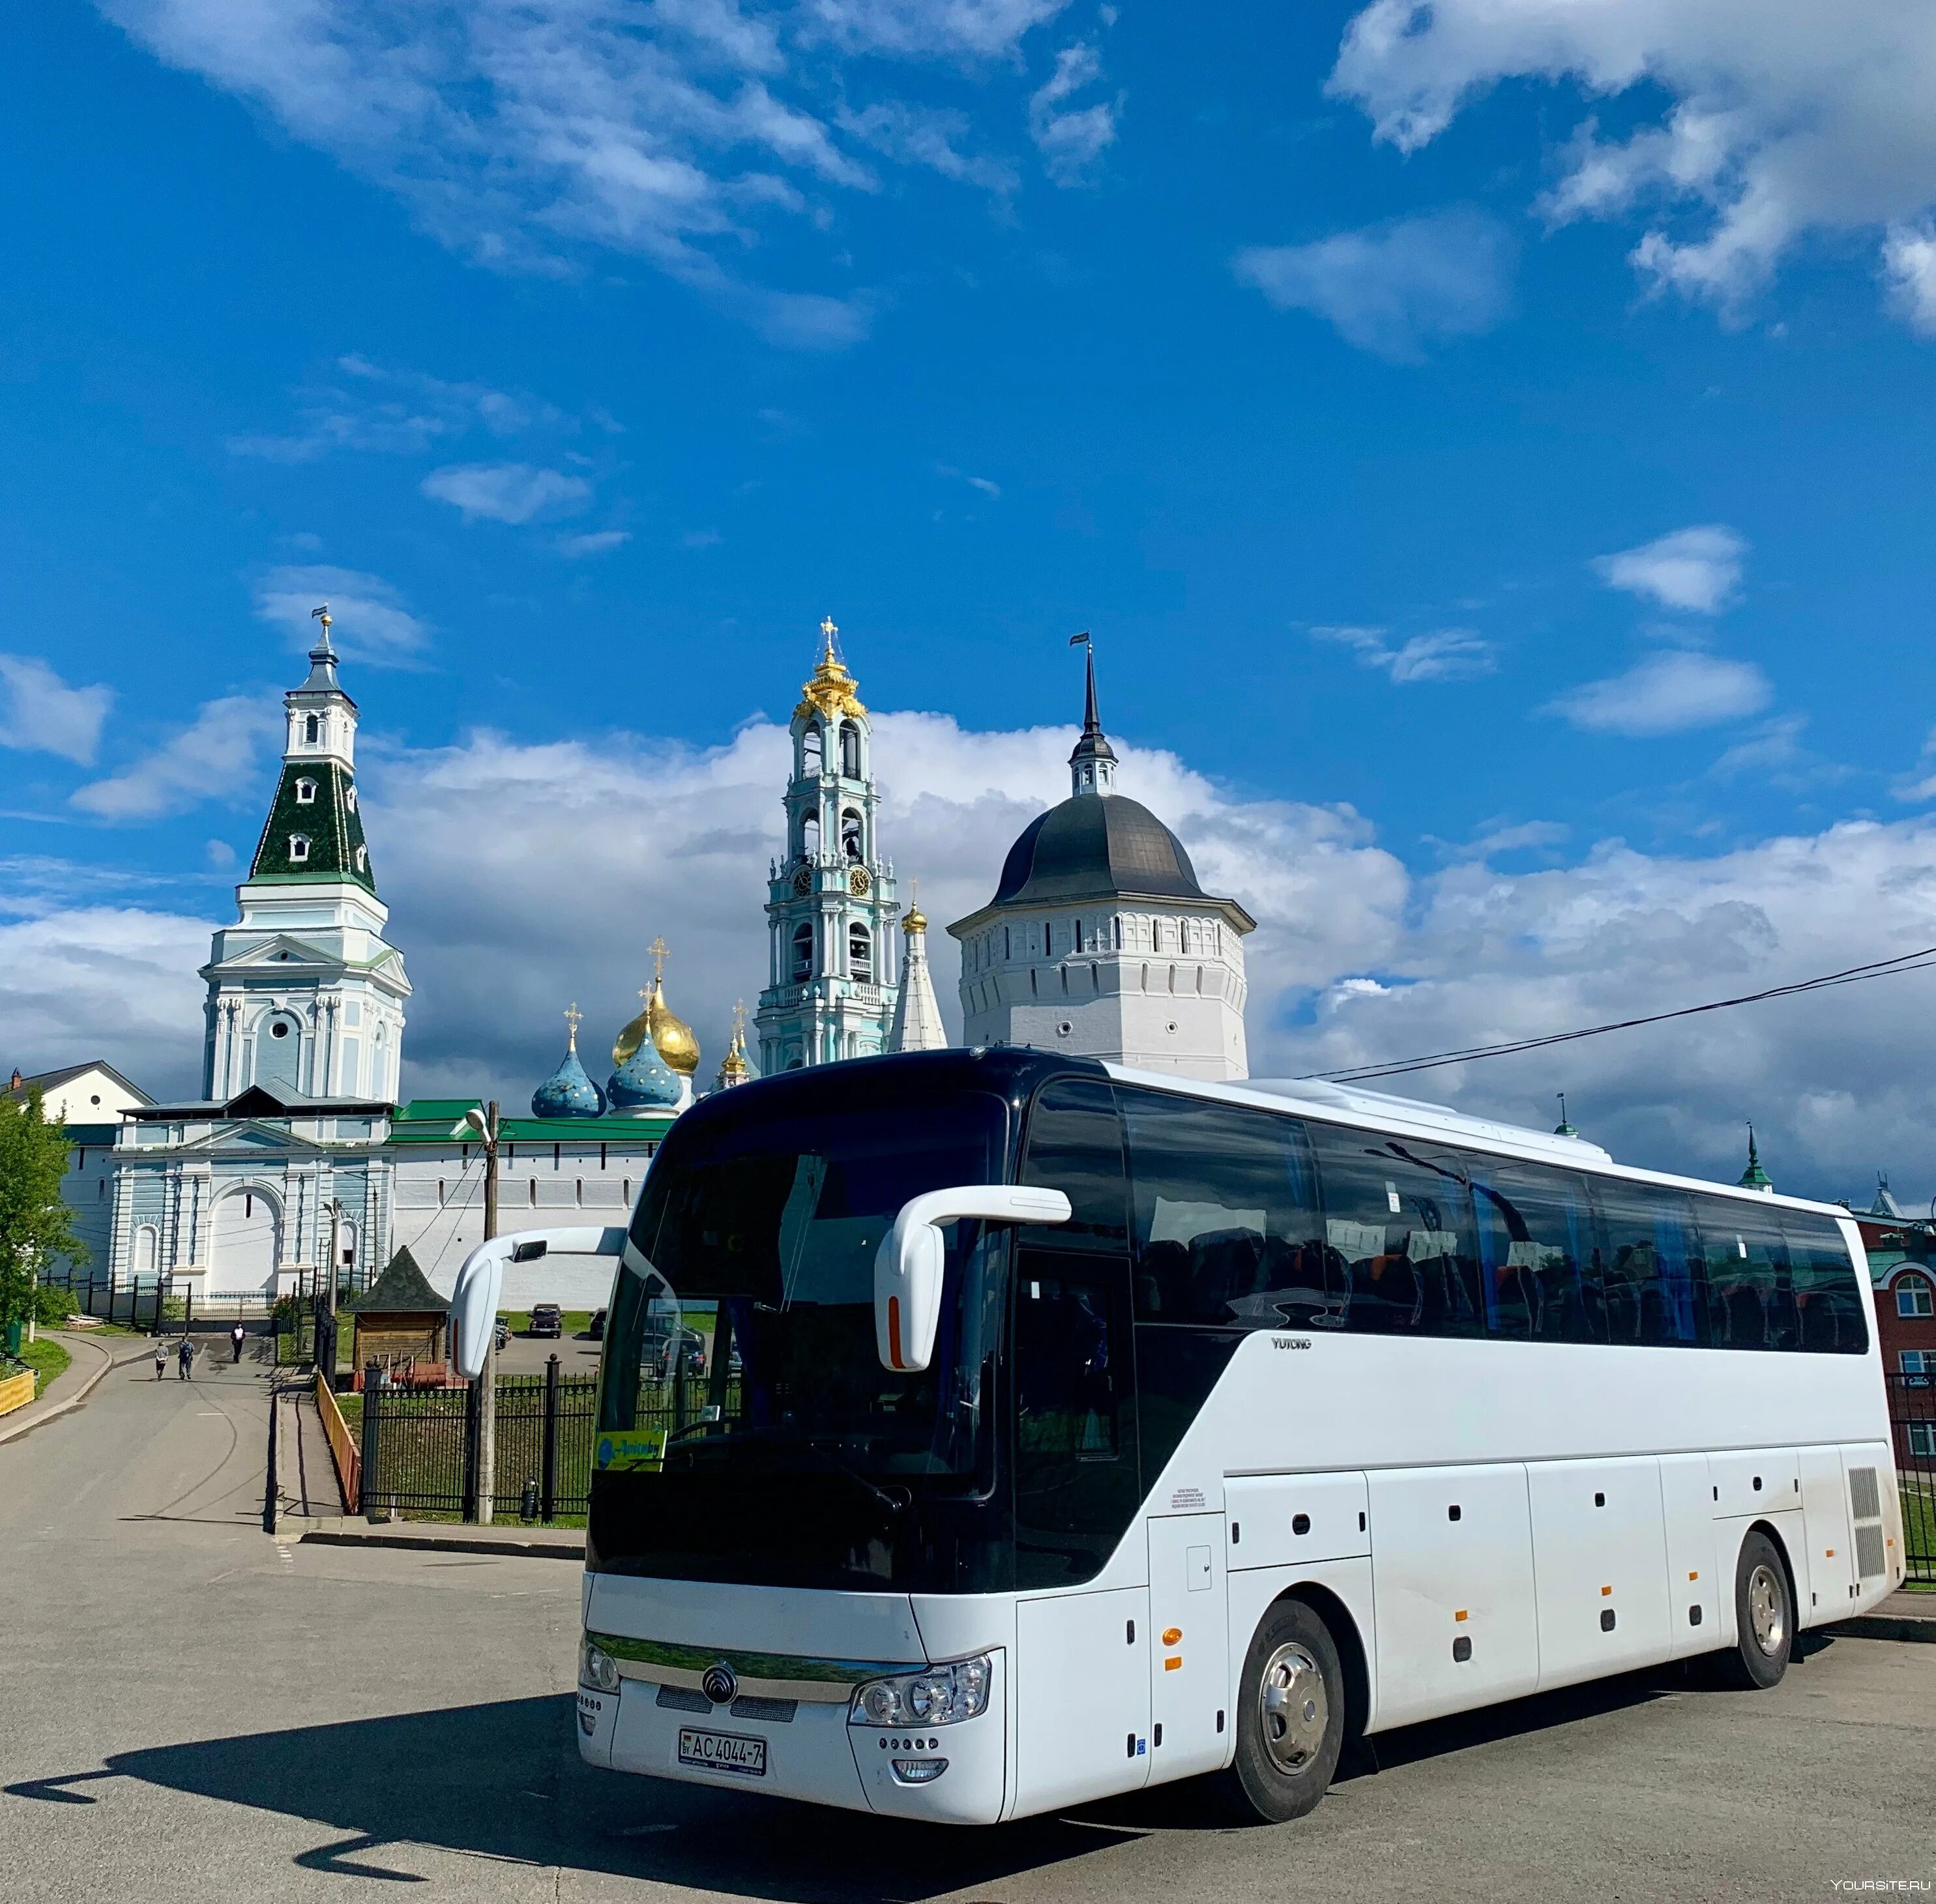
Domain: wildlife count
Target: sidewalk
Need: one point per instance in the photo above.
(92, 1358)
(511, 1537)
(1904, 1615)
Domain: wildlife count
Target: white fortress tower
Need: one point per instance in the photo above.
(1099, 940)
(306, 997)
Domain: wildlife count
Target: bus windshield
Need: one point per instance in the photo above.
(756, 1352)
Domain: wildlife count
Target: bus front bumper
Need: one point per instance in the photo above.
(950, 1774)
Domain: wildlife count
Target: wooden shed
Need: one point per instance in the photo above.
(402, 1324)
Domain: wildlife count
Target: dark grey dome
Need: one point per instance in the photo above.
(1096, 847)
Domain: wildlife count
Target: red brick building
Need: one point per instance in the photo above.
(1902, 1268)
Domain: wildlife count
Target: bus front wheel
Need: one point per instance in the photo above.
(1290, 1716)
(1764, 1618)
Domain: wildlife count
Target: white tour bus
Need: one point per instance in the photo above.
(1064, 1430)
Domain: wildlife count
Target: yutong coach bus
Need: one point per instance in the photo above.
(1067, 1429)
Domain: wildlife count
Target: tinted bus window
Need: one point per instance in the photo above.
(1074, 1145)
(1652, 1287)
(1225, 1215)
(1750, 1286)
(1832, 1320)
(1399, 1233)
(1539, 1252)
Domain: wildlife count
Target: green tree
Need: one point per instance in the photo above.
(35, 1224)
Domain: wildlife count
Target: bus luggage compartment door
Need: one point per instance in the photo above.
(1082, 1699)
(1452, 1587)
(1190, 1651)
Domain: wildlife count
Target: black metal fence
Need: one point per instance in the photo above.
(1912, 1411)
(144, 1302)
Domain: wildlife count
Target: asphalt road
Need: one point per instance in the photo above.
(189, 1709)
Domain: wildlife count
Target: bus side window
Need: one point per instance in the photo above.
(1227, 1232)
(1824, 1285)
(1751, 1287)
(1655, 1284)
(1074, 1145)
(1398, 1230)
(1537, 1248)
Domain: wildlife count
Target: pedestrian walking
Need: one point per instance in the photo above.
(235, 1343)
(185, 1359)
(161, 1359)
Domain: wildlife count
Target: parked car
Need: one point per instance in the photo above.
(546, 1319)
(595, 1329)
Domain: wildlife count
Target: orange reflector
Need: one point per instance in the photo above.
(1460, 1615)
(1172, 1665)
(1694, 1576)
(1604, 1591)
(1830, 1552)
(1173, 1635)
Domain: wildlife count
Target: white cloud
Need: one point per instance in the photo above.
(1909, 264)
(930, 136)
(41, 713)
(1394, 288)
(1073, 139)
(1445, 654)
(1696, 570)
(213, 758)
(1775, 118)
(599, 541)
(986, 485)
(370, 623)
(506, 492)
(1667, 695)
(522, 132)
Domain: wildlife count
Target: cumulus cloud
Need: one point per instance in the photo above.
(1394, 288)
(1667, 695)
(1445, 654)
(930, 136)
(506, 492)
(1696, 570)
(599, 541)
(1909, 267)
(39, 712)
(212, 758)
(523, 133)
(1774, 120)
(1073, 139)
(370, 623)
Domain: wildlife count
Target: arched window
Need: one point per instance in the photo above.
(859, 954)
(1079, 935)
(803, 951)
(850, 834)
(809, 835)
(811, 751)
(147, 1240)
(298, 848)
(1914, 1298)
(305, 793)
(346, 1242)
(312, 730)
(850, 750)
(350, 799)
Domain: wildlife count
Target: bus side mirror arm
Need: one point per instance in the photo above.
(480, 1283)
(908, 1266)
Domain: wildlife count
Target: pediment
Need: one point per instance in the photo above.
(273, 953)
(224, 1135)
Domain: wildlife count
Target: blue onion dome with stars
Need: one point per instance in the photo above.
(569, 1091)
(641, 1079)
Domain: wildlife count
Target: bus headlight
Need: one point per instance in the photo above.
(596, 1667)
(941, 1696)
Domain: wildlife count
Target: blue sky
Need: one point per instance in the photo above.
(1491, 450)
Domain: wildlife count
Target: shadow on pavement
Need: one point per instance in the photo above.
(504, 1781)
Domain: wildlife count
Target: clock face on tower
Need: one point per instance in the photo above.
(802, 882)
(857, 882)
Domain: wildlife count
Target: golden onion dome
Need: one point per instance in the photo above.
(671, 1033)
(913, 920)
(831, 691)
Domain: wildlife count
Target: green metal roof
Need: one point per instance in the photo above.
(329, 821)
(441, 1120)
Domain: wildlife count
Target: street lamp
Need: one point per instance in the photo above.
(483, 1125)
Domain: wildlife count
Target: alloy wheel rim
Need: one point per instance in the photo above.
(1767, 1614)
(1293, 1709)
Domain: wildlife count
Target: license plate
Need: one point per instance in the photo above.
(722, 1751)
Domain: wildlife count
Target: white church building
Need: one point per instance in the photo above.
(1099, 940)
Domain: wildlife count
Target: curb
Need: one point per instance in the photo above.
(517, 1548)
(1886, 1626)
(108, 1365)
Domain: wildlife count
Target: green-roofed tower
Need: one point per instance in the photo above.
(305, 996)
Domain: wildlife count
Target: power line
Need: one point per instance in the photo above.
(1920, 961)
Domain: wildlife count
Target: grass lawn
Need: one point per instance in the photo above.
(47, 1359)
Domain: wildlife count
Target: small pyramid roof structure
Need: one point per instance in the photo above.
(402, 1290)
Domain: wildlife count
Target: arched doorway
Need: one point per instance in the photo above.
(248, 1244)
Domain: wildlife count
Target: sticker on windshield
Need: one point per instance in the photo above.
(632, 1451)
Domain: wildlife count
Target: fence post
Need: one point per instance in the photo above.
(474, 1435)
(188, 1308)
(548, 1490)
(366, 1467)
(270, 1492)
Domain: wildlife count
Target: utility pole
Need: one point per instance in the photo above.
(484, 1124)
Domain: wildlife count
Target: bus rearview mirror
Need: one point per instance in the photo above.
(480, 1283)
(908, 1266)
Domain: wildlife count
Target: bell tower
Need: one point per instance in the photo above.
(830, 909)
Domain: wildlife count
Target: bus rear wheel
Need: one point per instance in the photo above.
(1290, 1716)
(1764, 1618)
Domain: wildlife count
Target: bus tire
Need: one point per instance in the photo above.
(1290, 1716)
(1764, 1618)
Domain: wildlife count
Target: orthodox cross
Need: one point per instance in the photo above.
(573, 1018)
(827, 629)
(658, 949)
